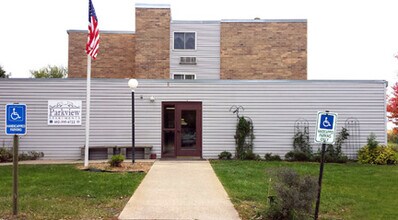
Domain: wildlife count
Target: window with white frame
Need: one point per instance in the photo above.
(184, 76)
(184, 40)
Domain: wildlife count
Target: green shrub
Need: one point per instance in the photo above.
(301, 142)
(270, 157)
(381, 155)
(302, 150)
(116, 160)
(294, 195)
(372, 142)
(225, 155)
(394, 147)
(296, 155)
(31, 155)
(329, 158)
(373, 153)
(244, 138)
(6, 155)
(249, 155)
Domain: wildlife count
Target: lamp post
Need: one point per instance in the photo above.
(133, 83)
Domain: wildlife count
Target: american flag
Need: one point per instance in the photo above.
(93, 32)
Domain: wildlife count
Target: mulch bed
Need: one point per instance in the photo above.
(125, 167)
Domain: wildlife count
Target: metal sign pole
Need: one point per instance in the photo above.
(318, 200)
(15, 177)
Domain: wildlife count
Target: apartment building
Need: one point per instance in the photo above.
(192, 76)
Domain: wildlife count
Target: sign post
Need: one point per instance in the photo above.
(325, 134)
(16, 121)
(15, 177)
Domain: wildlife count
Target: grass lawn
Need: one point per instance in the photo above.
(63, 192)
(349, 191)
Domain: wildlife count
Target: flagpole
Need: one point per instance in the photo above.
(88, 98)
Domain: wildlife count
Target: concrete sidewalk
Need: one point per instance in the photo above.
(180, 190)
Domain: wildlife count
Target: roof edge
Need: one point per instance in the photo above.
(145, 5)
(265, 20)
(101, 32)
(195, 22)
(206, 80)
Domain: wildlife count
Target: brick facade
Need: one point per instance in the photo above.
(152, 57)
(263, 50)
(115, 56)
(256, 49)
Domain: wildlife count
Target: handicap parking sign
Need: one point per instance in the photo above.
(327, 122)
(325, 127)
(16, 119)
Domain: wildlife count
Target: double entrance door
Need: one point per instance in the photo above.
(181, 129)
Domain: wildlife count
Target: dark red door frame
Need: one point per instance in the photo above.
(179, 107)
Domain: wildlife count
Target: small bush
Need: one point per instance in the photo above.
(373, 153)
(6, 155)
(372, 142)
(244, 137)
(301, 142)
(394, 147)
(225, 155)
(249, 155)
(31, 155)
(116, 160)
(294, 195)
(381, 155)
(296, 155)
(329, 158)
(270, 157)
(302, 150)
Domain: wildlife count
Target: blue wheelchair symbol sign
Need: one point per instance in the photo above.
(16, 119)
(326, 122)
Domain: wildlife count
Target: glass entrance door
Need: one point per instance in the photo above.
(182, 129)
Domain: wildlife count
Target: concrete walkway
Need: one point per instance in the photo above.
(180, 190)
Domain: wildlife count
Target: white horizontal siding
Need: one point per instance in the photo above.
(274, 106)
(207, 51)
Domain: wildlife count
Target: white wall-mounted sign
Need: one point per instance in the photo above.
(64, 112)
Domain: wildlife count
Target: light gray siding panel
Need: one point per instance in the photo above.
(56, 142)
(274, 106)
(207, 51)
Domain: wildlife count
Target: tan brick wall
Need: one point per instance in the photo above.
(263, 50)
(152, 59)
(115, 56)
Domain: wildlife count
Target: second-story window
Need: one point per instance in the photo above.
(184, 40)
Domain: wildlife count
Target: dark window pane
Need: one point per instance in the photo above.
(188, 129)
(168, 145)
(190, 41)
(169, 117)
(178, 40)
(189, 76)
(178, 76)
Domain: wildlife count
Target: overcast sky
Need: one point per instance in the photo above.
(346, 39)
